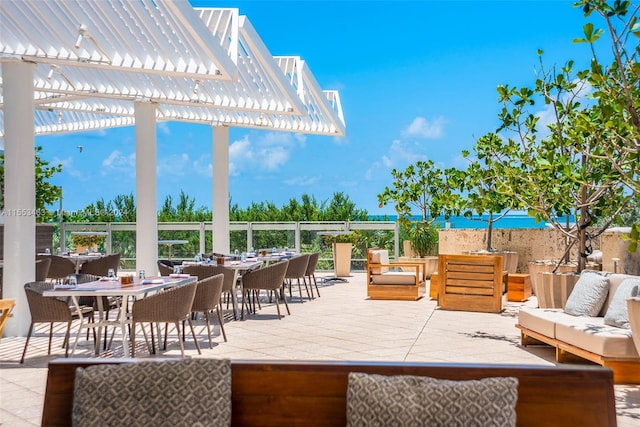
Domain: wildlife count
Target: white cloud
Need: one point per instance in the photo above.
(203, 167)
(426, 129)
(302, 180)
(269, 151)
(117, 160)
(68, 167)
(163, 127)
(174, 165)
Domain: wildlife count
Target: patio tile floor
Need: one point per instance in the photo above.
(340, 325)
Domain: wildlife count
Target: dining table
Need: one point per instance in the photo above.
(123, 292)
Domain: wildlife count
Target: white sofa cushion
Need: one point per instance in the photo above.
(588, 295)
(617, 314)
(541, 320)
(591, 334)
(395, 278)
(379, 256)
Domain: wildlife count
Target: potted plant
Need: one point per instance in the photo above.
(85, 243)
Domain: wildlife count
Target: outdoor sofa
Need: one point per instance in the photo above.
(594, 324)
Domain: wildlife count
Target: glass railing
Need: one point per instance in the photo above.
(302, 237)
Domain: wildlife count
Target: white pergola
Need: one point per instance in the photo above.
(75, 65)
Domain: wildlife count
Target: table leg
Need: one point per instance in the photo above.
(76, 304)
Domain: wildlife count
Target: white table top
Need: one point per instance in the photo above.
(115, 287)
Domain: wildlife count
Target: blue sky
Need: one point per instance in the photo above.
(417, 80)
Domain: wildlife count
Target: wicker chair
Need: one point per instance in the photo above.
(50, 310)
(100, 266)
(297, 269)
(269, 278)
(207, 299)
(311, 271)
(171, 306)
(164, 269)
(42, 269)
(228, 288)
(60, 267)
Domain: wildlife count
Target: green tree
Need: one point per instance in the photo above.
(425, 187)
(571, 166)
(478, 192)
(46, 193)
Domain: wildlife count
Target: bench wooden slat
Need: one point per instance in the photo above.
(298, 393)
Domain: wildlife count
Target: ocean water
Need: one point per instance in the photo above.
(479, 222)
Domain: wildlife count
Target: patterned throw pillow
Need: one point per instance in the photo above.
(588, 295)
(194, 392)
(405, 400)
(617, 314)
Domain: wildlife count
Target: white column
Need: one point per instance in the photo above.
(19, 191)
(146, 188)
(221, 189)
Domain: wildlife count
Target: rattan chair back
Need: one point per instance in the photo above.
(100, 266)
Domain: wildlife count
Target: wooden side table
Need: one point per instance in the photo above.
(518, 287)
(433, 286)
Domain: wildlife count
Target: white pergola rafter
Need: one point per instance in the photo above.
(263, 96)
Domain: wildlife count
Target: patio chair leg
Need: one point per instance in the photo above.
(284, 298)
(180, 339)
(278, 307)
(66, 338)
(193, 333)
(26, 344)
(221, 320)
(133, 339)
(50, 338)
(315, 283)
(166, 332)
(206, 321)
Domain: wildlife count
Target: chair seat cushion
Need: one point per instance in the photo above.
(395, 278)
(591, 334)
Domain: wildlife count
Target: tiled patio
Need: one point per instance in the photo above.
(340, 325)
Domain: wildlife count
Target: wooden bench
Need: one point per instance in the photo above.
(298, 393)
(471, 283)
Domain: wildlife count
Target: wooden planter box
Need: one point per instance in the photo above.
(518, 287)
(342, 259)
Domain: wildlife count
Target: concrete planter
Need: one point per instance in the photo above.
(342, 259)
(554, 289)
(536, 268)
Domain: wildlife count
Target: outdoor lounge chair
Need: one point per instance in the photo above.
(471, 283)
(393, 280)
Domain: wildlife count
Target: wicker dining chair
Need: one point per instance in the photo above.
(50, 310)
(100, 266)
(165, 269)
(60, 267)
(269, 278)
(42, 269)
(207, 299)
(171, 306)
(297, 270)
(228, 287)
(311, 271)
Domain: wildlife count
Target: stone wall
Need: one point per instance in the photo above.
(539, 244)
